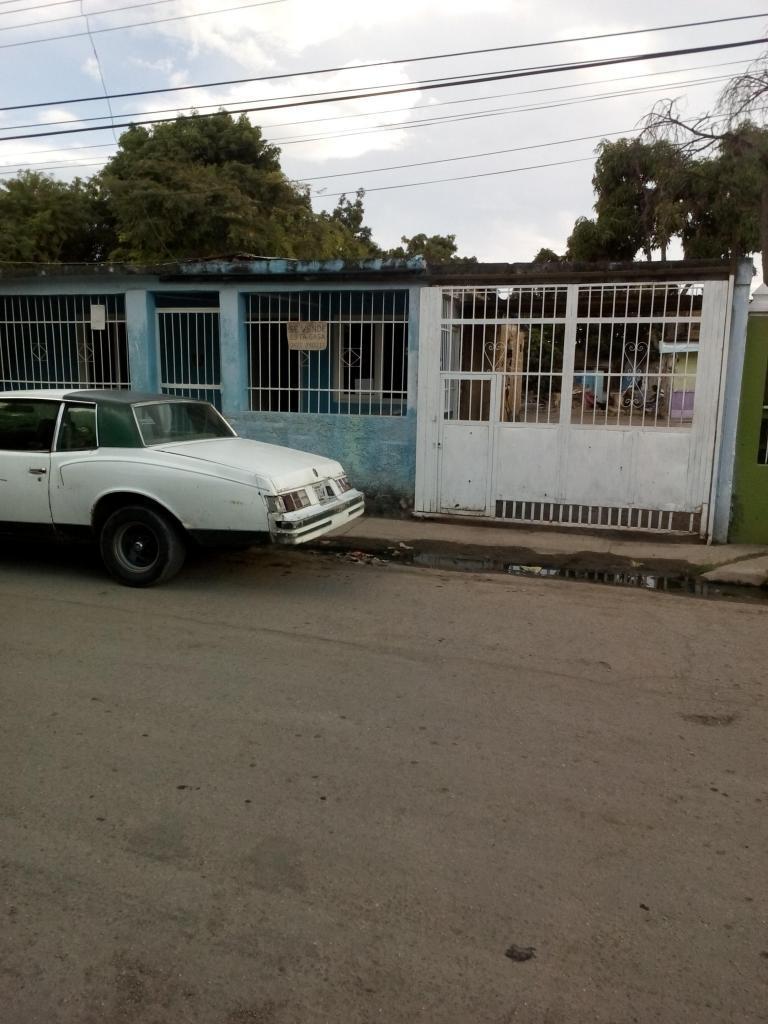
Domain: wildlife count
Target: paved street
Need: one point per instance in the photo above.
(288, 788)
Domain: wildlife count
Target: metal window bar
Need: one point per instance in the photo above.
(636, 355)
(518, 332)
(46, 341)
(363, 368)
(190, 363)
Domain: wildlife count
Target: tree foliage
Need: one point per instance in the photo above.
(640, 195)
(204, 186)
(192, 187)
(434, 249)
(358, 237)
(728, 151)
(640, 202)
(43, 220)
(546, 255)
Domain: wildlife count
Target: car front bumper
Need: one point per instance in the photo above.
(313, 522)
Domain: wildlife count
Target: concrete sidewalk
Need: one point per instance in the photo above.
(561, 548)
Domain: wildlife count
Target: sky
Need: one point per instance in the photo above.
(340, 146)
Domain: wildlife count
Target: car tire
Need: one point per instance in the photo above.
(141, 546)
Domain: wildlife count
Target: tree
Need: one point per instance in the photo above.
(547, 256)
(584, 243)
(47, 221)
(723, 206)
(203, 186)
(350, 214)
(434, 249)
(730, 145)
(640, 204)
(194, 187)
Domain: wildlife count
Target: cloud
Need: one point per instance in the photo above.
(260, 36)
(90, 67)
(315, 132)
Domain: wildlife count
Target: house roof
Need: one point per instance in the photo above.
(243, 267)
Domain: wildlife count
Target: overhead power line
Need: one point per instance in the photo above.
(466, 177)
(100, 69)
(74, 17)
(140, 24)
(623, 132)
(450, 119)
(384, 63)
(23, 10)
(443, 103)
(345, 95)
(469, 156)
(230, 109)
(395, 167)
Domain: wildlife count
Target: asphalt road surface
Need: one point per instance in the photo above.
(288, 788)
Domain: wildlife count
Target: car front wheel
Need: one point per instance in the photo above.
(141, 547)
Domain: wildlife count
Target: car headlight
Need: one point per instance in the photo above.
(291, 501)
(343, 484)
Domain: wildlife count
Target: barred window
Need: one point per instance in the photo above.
(63, 341)
(516, 332)
(343, 352)
(636, 356)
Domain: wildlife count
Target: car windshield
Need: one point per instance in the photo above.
(161, 422)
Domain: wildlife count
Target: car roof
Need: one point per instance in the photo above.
(106, 395)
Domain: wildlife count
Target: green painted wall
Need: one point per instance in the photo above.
(749, 515)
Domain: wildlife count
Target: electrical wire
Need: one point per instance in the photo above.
(624, 132)
(230, 109)
(140, 24)
(344, 96)
(471, 116)
(384, 63)
(100, 70)
(395, 167)
(74, 17)
(521, 92)
(466, 177)
(33, 7)
(444, 103)
(468, 156)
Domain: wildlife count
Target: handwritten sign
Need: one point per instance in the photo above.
(309, 336)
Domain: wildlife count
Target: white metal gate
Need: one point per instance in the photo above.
(592, 405)
(188, 351)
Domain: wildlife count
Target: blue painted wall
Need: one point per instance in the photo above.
(377, 452)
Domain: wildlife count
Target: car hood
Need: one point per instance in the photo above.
(284, 468)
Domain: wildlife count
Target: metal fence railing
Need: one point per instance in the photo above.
(341, 352)
(63, 341)
(190, 359)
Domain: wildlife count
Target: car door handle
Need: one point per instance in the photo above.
(38, 472)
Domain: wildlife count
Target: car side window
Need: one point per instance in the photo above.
(78, 429)
(27, 425)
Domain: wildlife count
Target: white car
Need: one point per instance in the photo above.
(144, 474)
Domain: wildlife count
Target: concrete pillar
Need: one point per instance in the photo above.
(142, 342)
(726, 456)
(234, 357)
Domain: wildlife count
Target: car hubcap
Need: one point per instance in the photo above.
(136, 547)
